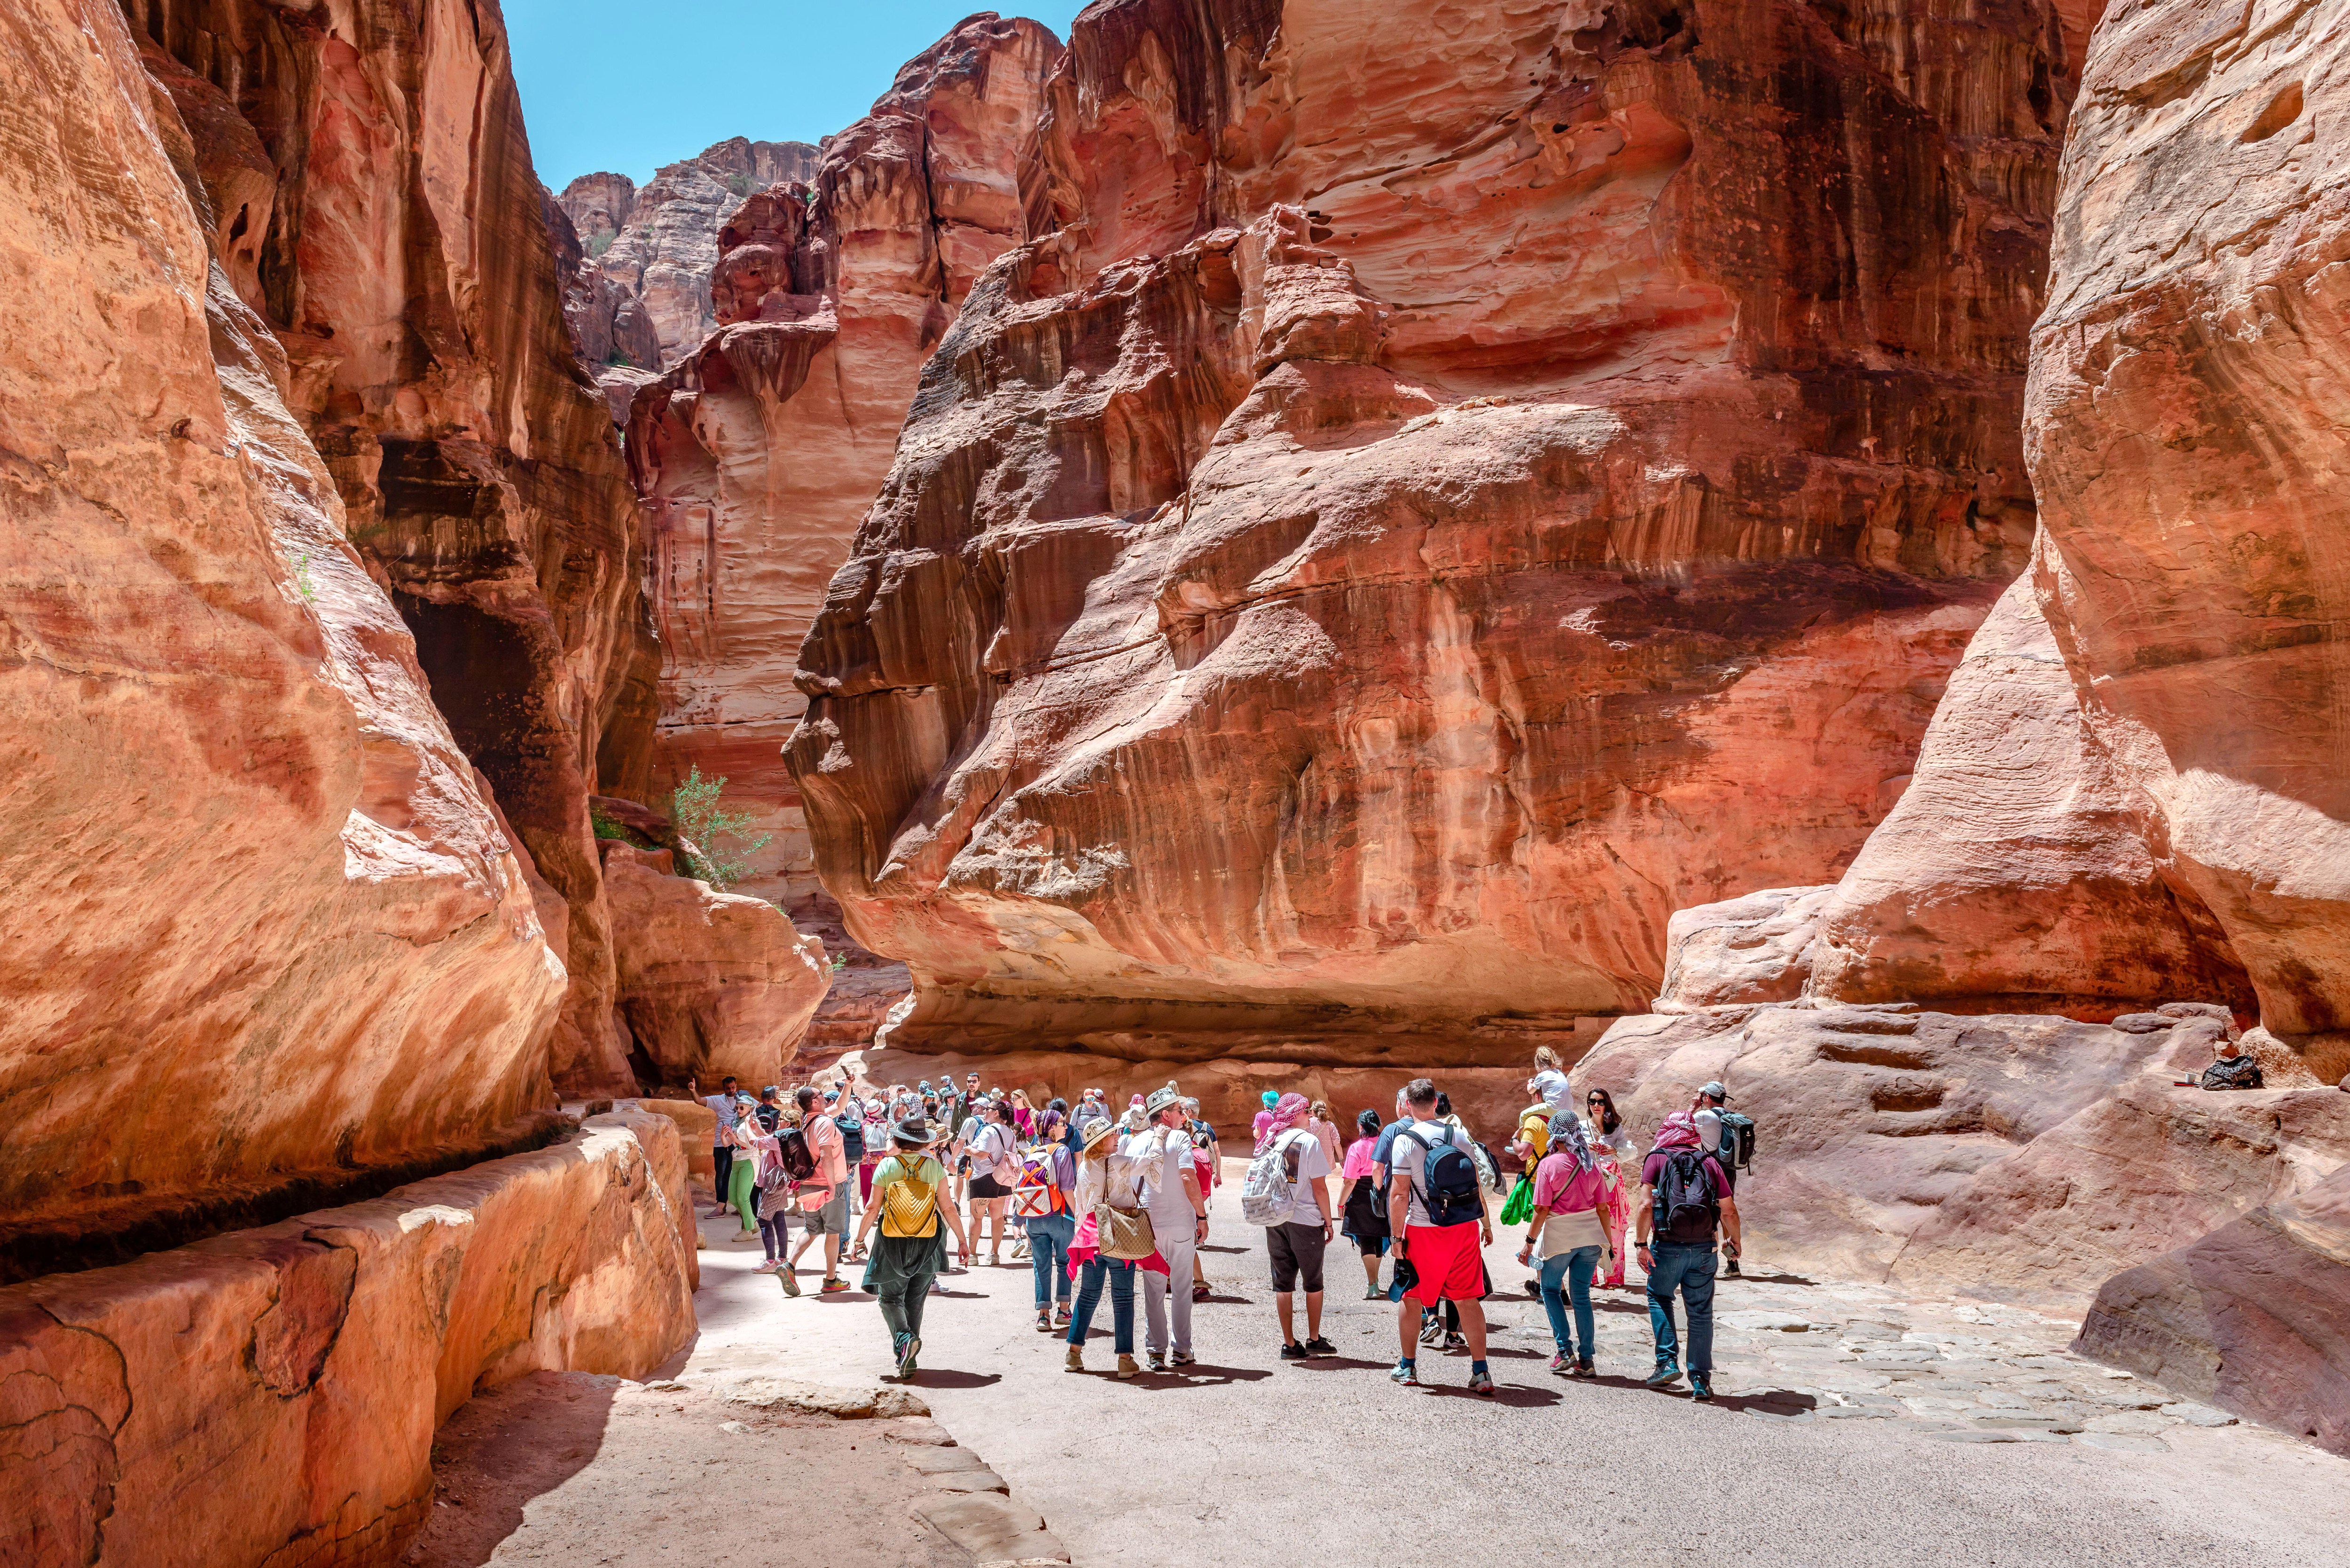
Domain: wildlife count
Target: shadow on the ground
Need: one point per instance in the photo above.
(1770, 1401)
(1205, 1247)
(947, 1377)
(502, 1448)
(1200, 1375)
(1518, 1396)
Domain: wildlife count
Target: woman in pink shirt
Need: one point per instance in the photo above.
(1366, 1215)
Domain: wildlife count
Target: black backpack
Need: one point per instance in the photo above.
(1737, 1141)
(1687, 1207)
(798, 1163)
(852, 1136)
(1447, 1181)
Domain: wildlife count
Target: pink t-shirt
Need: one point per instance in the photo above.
(825, 1147)
(1562, 1189)
(1362, 1155)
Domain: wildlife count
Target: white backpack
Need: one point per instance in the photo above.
(1270, 1188)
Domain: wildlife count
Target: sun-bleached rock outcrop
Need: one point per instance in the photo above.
(757, 456)
(253, 887)
(270, 1396)
(655, 247)
(710, 983)
(396, 251)
(1437, 492)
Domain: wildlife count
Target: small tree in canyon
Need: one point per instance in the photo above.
(703, 821)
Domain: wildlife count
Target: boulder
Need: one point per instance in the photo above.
(710, 983)
(1741, 951)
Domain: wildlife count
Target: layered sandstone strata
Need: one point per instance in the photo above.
(757, 456)
(367, 188)
(2144, 792)
(1440, 489)
(270, 1396)
(261, 921)
(655, 247)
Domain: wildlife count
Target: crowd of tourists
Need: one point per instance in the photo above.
(1108, 1204)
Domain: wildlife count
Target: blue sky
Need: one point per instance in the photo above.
(631, 86)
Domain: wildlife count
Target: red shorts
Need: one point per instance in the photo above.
(1446, 1263)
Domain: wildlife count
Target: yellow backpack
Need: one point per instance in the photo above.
(910, 1204)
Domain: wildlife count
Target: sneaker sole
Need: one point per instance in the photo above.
(1664, 1382)
(791, 1285)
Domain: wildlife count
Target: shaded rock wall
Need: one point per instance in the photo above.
(1440, 489)
(2254, 1317)
(270, 1397)
(401, 259)
(260, 920)
(759, 453)
(2166, 708)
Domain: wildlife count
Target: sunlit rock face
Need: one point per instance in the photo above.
(371, 198)
(262, 920)
(758, 456)
(1442, 488)
(647, 254)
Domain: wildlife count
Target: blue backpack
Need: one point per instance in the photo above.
(1447, 1181)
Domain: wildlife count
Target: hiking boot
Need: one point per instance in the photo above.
(1075, 1361)
(1665, 1375)
(1183, 1358)
(906, 1354)
(1584, 1369)
(1700, 1386)
(1317, 1346)
(1560, 1367)
(1534, 1288)
(1455, 1342)
(791, 1278)
(832, 1287)
(1406, 1373)
(1126, 1366)
(1043, 1322)
(1156, 1361)
(1480, 1383)
(1292, 1352)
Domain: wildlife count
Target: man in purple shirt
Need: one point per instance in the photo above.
(1685, 1196)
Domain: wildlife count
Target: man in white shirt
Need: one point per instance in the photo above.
(1296, 1244)
(1179, 1222)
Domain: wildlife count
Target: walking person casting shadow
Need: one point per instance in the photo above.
(1437, 1214)
(912, 1248)
(1685, 1198)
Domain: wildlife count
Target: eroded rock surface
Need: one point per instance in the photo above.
(270, 1396)
(758, 455)
(710, 983)
(1439, 489)
(261, 920)
(400, 256)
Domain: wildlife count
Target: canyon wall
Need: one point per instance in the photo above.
(373, 201)
(758, 454)
(261, 919)
(1440, 489)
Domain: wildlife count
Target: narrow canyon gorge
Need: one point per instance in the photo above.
(1270, 543)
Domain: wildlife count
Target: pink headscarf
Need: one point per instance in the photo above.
(1679, 1131)
(1286, 1113)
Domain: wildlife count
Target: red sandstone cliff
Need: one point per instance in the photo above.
(1440, 489)
(757, 456)
(373, 200)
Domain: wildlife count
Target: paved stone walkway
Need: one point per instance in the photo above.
(1854, 1425)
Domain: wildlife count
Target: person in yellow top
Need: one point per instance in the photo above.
(912, 1248)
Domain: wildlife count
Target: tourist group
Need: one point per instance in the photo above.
(1099, 1203)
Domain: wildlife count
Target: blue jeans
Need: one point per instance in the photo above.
(1576, 1269)
(1049, 1236)
(1687, 1266)
(1120, 1273)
